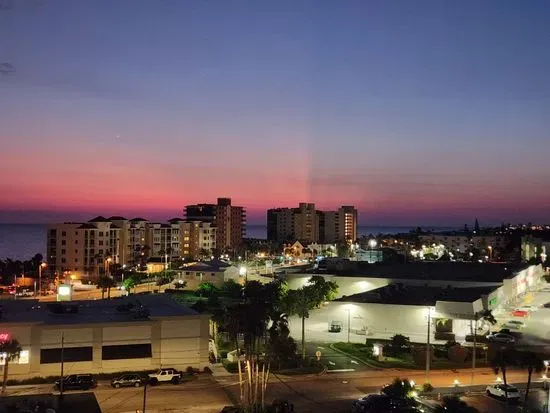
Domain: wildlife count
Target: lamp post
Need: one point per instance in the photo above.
(40, 267)
(490, 248)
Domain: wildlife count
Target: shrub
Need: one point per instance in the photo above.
(207, 370)
(427, 387)
(457, 353)
(189, 370)
(398, 346)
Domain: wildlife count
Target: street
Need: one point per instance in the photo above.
(203, 395)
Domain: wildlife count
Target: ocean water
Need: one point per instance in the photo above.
(22, 241)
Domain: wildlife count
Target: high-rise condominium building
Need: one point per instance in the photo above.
(230, 221)
(87, 249)
(306, 224)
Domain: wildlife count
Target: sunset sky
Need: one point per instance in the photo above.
(417, 112)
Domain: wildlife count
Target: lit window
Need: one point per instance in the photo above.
(24, 357)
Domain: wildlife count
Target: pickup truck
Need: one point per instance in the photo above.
(165, 376)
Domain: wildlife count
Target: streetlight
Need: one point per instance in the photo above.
(372, 243)
(40, 267)
(490, 248)
(349, 321)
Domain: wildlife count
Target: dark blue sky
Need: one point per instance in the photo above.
(427, 112)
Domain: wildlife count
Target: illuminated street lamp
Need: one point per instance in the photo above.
(372, 243)
(40, 268)
(107, 265)
(490, 248)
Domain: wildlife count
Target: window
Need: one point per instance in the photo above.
(23, 357)
(76, 260)
(63, 242)
(63, 233)
(100, 242)
(76, 251)
(127, 351)
(63, 252)
(213, 274)
(76, 241)
(53, 355)
(63, 260)
(100, 233)
(76, 232)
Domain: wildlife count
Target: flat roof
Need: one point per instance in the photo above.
(417, 295)
(450, 270)
(115, 310)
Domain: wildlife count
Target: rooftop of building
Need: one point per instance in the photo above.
(449, 270)
(120, 309)
(213, 265)
(117, 218)
(418, 295)
(99, 219)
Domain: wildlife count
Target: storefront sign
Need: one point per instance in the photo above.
(4, 337)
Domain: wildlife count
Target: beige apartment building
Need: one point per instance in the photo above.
(229, 220)
(308, 225)
(87, 249)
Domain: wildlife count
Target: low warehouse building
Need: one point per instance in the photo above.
(124, 334)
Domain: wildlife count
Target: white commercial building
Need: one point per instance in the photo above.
(103, 336)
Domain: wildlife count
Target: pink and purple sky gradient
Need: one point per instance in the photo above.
(417, 112)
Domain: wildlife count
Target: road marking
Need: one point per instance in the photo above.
(322, 348)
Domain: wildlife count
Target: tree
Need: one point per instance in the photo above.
(399, 345)
(400, 389)
(232, 289)
(206, 289)
(343, 250)
(12, 350)
(532, 362)
(452, 404)
(300, 302)
(502, 358)
(106, 283)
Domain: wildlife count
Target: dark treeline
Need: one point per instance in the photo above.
(10, 268)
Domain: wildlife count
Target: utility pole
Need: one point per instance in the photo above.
(62, 365)
(349, 321)
(144, 396)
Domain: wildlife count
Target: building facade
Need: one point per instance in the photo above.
(229, 220)
(308, 225)
(87, 249)
(105, 336)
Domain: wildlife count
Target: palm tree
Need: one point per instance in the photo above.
(105, 283)
(532, 362)
(12, 350)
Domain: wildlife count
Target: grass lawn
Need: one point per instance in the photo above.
(406, 362)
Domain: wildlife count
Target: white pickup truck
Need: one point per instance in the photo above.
(165, 376)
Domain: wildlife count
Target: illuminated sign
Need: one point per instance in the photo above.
(4, 337)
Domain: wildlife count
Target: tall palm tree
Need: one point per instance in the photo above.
(532, 362)
(12, 350)
(106, 283)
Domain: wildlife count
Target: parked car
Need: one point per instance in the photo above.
(128, 380)
(165, 376)
(24, 292)
(547, 305)
(502, 391)
(76, 382)
(514, 324)
(335, 327)
(501, 338)
(520, 312)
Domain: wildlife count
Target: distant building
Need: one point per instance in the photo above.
(308, 225)
(229, 220)
(535, 247)
(215, 272)
(87, 249)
